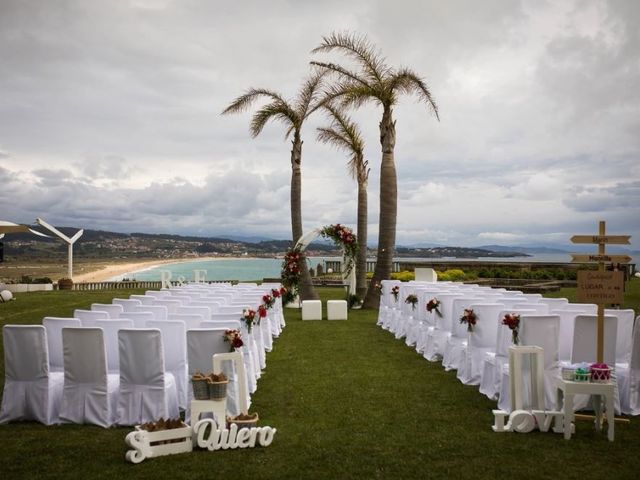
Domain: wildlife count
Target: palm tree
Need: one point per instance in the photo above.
(376, 82)
(344, 134)
(292, 115)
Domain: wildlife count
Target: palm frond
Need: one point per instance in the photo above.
(309, 94)
(273, 111)
(331, 137)
(357, 47)
(347, 128)
(408, 82)
(244, 101)
(341, 71)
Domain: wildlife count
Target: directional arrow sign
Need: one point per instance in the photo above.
(600, 258)
(611, 239)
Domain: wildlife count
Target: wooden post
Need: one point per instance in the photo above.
(600, 336)
(606, 288)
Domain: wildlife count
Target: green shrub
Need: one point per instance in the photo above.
(403, 276)
(452, 275)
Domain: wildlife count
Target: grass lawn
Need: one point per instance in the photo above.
(348, 400)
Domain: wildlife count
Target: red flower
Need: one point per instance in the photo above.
(262, 311)
(275, 292)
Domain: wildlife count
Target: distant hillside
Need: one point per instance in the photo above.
(524, 249)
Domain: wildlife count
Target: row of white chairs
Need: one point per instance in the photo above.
(185, 347)
(565, 331)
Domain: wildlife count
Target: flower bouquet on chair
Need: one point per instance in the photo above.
(512, 320)
(434, 306)
(411, 299)
(469, 317)
(395, 291)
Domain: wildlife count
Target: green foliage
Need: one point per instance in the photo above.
(452, 275)
(403, 276)
(28, 279)
(538, 274)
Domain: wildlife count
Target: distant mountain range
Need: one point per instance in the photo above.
(104, 244)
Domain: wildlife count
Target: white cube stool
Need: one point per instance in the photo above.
(311, 310)
(337, 309)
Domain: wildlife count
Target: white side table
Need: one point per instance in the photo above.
(568, 389)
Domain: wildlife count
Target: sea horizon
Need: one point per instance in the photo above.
(255, 268)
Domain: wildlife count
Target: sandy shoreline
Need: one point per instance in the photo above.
(110, 271)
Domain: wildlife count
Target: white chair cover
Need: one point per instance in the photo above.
(632, 400)
(174, 340)
(567, 323)
(494, 362)
(159, 311)
(456, 339)
(196, 310)
(31, 391)
(554, 303)
(624, 349)
(144, 299)
(481, 341)
(540, 308)
(111, 329)
(114, 311)
(90, 394)
(437, 336)
(128, 304)
(202, 344)
(54, 326)
(541, 331)
(190, 321)
(171, 304)
(147, 392)
(139, 319)
(83, 315)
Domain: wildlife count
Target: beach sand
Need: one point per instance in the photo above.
(113, 270)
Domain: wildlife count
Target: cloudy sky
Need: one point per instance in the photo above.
(110, 117)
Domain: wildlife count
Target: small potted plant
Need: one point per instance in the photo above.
(65, 284)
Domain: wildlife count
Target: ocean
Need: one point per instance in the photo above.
(246, 269)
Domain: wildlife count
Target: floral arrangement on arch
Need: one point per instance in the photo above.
(412, 299)
(395, 291)
(434, 305)
(234, 339)
(290, 274)
(512, 320)
(343, 237)
(469, 317)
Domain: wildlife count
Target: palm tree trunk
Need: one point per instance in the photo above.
(306, 288)
(361, 260)
(388, 208)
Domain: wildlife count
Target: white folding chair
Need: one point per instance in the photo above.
(624, 353)
(567, 323)
(54, 326)
(174, 339)
(90, 315)
(555, 303)
(160, 312)
(90, 394)
(111, 329)
(437, 335)
(147, 391)
(540, 308)
(144, 299)
(114, 311)
(632, 400)
(31, 390)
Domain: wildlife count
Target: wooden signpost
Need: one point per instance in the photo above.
(601, 287)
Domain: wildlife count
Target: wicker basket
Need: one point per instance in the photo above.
(217, 390)
(200, 389)
(600, 375)
(582, 377)
(243, 423)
